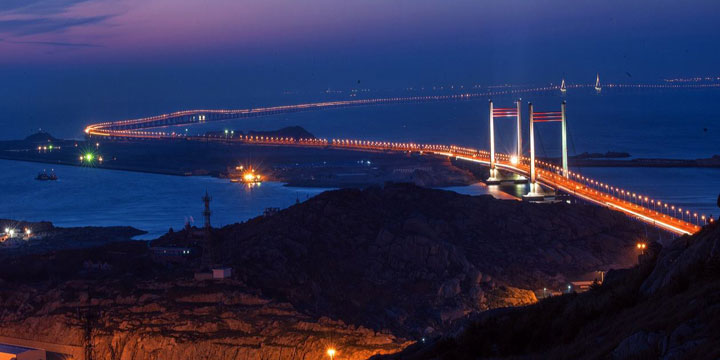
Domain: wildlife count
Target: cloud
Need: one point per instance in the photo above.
(42, 25)
(56, 43)
(38, 7)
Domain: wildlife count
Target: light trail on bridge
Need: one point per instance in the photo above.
(548, 174)
(129, 128)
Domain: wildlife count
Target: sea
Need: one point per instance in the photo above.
(646, 123)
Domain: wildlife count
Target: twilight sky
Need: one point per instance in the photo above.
(75, 57)
(474, 37)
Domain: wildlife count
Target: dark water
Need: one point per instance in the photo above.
(678, 123)
(150, 202)
(648, 123)
(688, 188)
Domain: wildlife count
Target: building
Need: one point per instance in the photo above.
(216, 273)
(222, 273)
(167, 254)
(581, 286)
(11, 352)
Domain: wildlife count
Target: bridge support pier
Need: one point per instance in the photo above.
(496, 177)
(551, 116)
(533, 194)
(493, 171)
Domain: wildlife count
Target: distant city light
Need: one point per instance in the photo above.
(331, 353)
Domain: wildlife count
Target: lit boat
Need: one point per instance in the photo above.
(250, 177)
(245, 175)
(44, 176)
(597, 83)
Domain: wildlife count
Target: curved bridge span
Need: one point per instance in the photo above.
(650, 211)
(133, 128)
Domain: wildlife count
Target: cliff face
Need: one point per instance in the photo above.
(180, 320)
(414, 260)
(665, 308)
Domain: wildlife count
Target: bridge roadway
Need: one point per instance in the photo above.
(548, 174)
(129, 128)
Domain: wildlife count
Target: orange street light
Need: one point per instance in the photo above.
(641, 246)
(331, 353)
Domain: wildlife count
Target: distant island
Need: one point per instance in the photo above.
(293, 165)
(294, 132)
(623, 159)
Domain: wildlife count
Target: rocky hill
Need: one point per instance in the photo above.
(665, 308)
(295, 132)
(415, 260)
(45, 237)
(366, 271)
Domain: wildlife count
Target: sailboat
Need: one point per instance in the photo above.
(597, 83)
(563, 89)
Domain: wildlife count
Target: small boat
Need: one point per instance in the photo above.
(597, 83)
(44, 176)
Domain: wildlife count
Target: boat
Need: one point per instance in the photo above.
(44, 176)
(562, 86)
(597, 83)
(246, 175)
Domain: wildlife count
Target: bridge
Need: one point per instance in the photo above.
(503, 167)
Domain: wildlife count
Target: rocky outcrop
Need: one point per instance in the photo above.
(417, 260)
(683, 258)
(45, 237)
(664, 308)
(181, 320)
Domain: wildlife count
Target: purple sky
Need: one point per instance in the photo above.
(495, 32)
(65, 63)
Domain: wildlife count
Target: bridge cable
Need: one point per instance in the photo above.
(572, 142)
(542, 146)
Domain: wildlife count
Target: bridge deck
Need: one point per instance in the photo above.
(548, 174)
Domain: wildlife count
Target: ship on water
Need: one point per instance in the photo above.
(44, 176)
(563, 88)
(597, 83)
(246, 175)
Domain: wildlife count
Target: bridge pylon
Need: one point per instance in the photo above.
(495, 176)
(534, 193)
